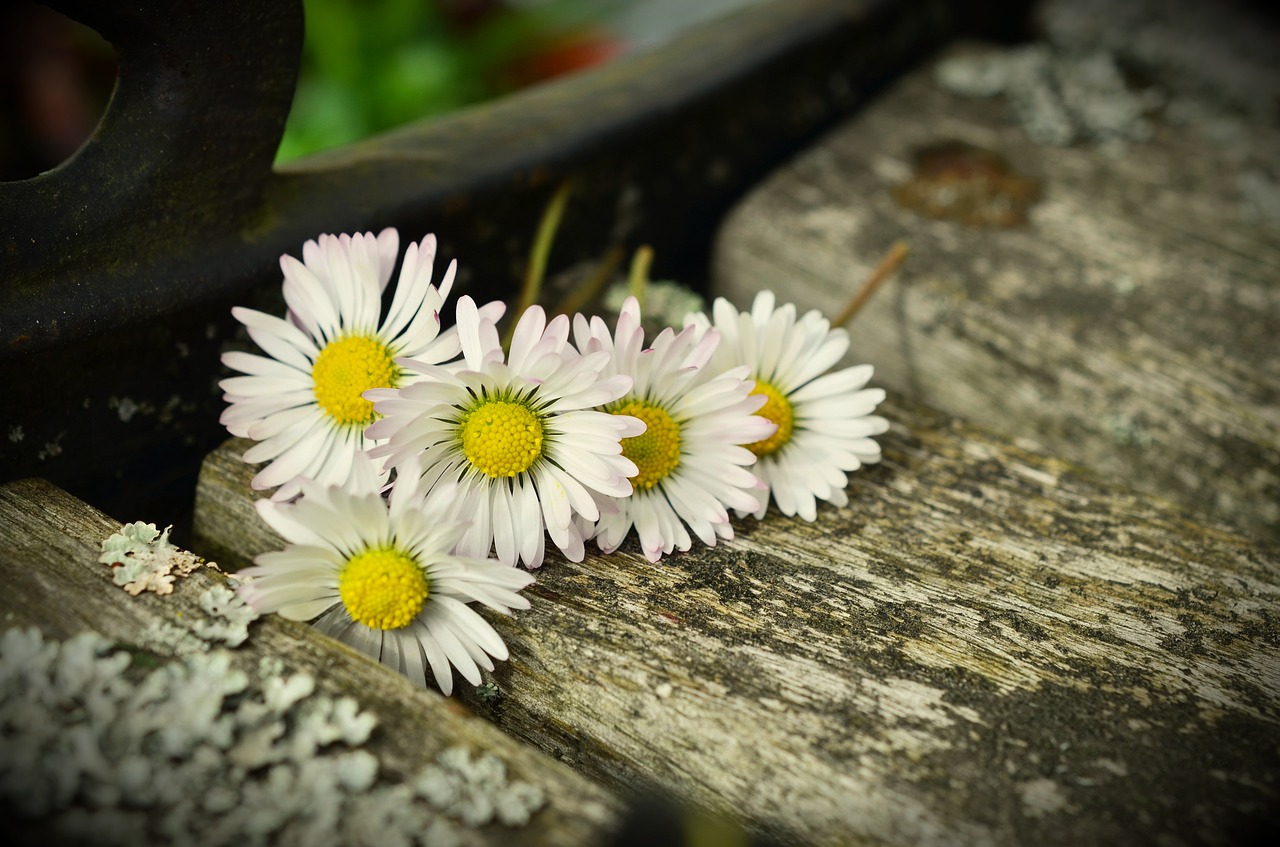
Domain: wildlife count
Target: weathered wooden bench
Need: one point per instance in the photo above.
(987, 646)
(1132, 326)
(997, 642)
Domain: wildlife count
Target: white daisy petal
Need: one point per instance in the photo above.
(304, 402)
(527, 334)
(448, 641)
(388, 249)
(412, 289)
(309, 300)
(351, 569)
(685, 464)
(823, 417)
(301, 356)
(466, 621)
(514, 431)
(306, 610)
(436, 658)
(504, 527)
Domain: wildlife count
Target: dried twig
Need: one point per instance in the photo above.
(882, 272)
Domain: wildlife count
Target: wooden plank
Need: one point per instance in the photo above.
(987, 646)
(1131, 326)
(49, 548)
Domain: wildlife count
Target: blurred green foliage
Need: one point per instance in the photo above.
(371, 65)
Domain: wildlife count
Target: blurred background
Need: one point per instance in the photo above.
(367, 65)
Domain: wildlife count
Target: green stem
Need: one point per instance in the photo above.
(537, 266)
(639, 277)
(581, 297)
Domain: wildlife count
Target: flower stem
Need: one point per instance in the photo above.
(638, 279)
(888, 265)
(581, 297)
(537, 266)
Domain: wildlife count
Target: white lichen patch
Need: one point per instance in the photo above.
(1057, 97)
(144, 560)
(476, 791)
(127, 407)
(16, 434)
(269, 666)
(96, 749)
(225, 622)
(665, 302)
(170, 639)
(52, 449)
(1260, 195)
(1041, 797)
(228, 617)
(1128, 430)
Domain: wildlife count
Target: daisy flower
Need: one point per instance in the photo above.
(301, 401)
(824, 419)
(517, 435)
(689, 462)
(383, 578)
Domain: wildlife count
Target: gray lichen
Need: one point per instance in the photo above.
(666, 302)
(225, 622)
(170, 639)
(1129, 430)
(95, 748)
(1260, 195)
(144, 560)
(1058, 98)
(52, 449)
(476, 791)
(228, 617)
(1207, 64)
(1221, 53)
(127, 407)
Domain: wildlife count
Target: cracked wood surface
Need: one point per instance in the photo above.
(49, 547)
(988, 646)
(1131, 326)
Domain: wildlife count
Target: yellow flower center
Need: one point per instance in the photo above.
(657, 452)
(501, 437)
(345, 369)
(383, 588)
(776, 408)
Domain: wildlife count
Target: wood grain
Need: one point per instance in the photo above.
(988, 646)
(49, 546)
(1131, 326)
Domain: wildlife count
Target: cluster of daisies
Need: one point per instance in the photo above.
(576, 432)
